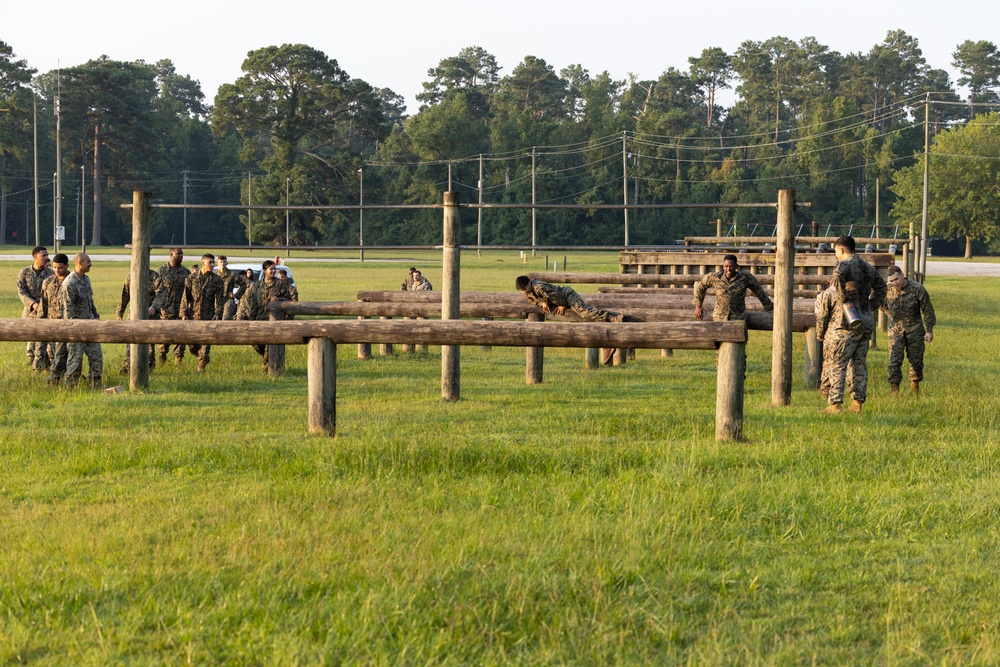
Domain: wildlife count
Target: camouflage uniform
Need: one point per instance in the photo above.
(172, 280)
(825, 303)
(228, 288)
(545, 294)
(906, 333)
(156, 297)
(730, 295)
(29, 289)
(203, 299)
(52, 309)
(857, 282)
(78, 304)
(422, 285)
(253, 305)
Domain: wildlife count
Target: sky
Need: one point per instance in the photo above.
(392, 44)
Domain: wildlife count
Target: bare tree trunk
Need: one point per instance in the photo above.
(96, 215)
(3, 216)
(968, 247)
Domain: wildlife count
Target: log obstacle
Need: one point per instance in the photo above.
(322, 336)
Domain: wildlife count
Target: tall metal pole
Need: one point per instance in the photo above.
(479, 227)
(83, 207)
(927, 164)
(533, 228)
(55, 231)
(58, 163)
(184, 186)
(288, 221)
(38, 229)
(361, 211)
(250, 210)
(625, 185)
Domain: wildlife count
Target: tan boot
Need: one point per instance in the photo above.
(914, 387)
(833, 409)
(895, 389)
(855, 407)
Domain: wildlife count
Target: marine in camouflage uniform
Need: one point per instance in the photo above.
(52, 309)
(29, 289)
(254, 304)
(912, 324)
(551, 298)
(731, 287)
(156, 297)
(172, 276)
(419, 283)
(229, 286)
(78, 304)
(857, 282)
(203, 299)
(825, 304)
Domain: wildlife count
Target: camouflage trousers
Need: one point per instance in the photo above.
(203, 352)
(38, 355)
(163, 349)
(824, 376)
(60, 354)
(74, 362)
(910, 341)
(229, 310)
(590, 314)
(848, 348)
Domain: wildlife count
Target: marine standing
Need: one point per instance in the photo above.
(78, 304)
(52, 309)
(267, 290)
(731, 287)
(860, 292)
(172, 277)
(229, 285)
(912, 324)
(29, 289)
(156, 298)
(203, 299)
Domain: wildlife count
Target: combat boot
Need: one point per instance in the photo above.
(833, 409)
(855, 407)
(824, 392)
(95, 382)
(914, 387)
(894, 387)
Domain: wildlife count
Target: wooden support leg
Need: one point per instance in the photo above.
(408, 347)
(276, 353)
(814, 359)
(534, 356)
(593, 358)
(729, 391)
(322, 381)
(385, 349)
(364, 349)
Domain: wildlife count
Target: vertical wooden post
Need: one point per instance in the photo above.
(364, 349)
(486, 348)
(385, 349)
(784, 264)
(409, 347)
(814, 359)
(421, 347)
(321, 378)
(138, 277)
(450, 295)
(593, 358)
(534, 356)
(729, 391)
(276, 353)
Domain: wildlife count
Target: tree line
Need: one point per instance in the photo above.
(845, 130)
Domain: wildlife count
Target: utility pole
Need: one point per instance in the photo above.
(922, 256)
(83, 208)
(361, 211)
(288, 225)
(250, 211)
(58, 163)
(533, 228)
(479, 228)
(625, 185)
(184, 186)
(38, 229)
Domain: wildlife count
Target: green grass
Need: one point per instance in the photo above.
(590, 519)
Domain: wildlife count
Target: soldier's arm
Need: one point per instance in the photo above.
(187, 301)
(220, 299)
(879, 290)
(123, 300)
(701, 289)
(22, 291)
(927, 310)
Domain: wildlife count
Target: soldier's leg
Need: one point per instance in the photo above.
(915, 353)
(74, 363)
(859, 365)
(841, 349)
(29, 352)
(128, 360)
(95, 363)
(58, 369)
(178, 353)
(40, 356)
(897, 343)
(161, 353)
(204, 356)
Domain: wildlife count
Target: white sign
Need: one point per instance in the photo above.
(60, 233)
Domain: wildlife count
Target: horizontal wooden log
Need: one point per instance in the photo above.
(684, 291)
(647, 335)
(630, 260)
(707, 240)
(658, 279)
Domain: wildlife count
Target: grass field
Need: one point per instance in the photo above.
(591, 519)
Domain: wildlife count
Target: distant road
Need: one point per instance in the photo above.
(937, 268)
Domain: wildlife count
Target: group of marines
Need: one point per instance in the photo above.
(49, 290)
(845, 318)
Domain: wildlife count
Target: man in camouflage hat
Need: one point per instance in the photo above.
(78, 304)
(912, 324)
(29, 289)
(52, 309)
(860, 286)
